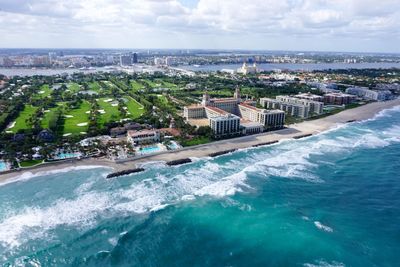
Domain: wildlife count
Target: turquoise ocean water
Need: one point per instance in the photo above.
(329, 200)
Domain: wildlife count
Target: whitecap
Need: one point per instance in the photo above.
(322, 263)
(26, 175)
(325, 228)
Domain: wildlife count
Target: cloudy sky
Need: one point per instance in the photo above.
(323, 25)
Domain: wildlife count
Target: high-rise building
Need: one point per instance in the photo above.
(368, 94)
(126, 60)
(135, 58)
(292, 109)
(158, 61)
(339, 98)
(52, 57)
(169, 61)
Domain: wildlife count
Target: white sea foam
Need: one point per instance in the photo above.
(322, 263)
(325, 228)
(29, 175)
(205, 177)
(225, 187)
(188, 198)
(80, 212)
(113, 241)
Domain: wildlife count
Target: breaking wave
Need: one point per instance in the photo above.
(161, 186)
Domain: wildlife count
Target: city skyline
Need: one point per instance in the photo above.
(309, 25)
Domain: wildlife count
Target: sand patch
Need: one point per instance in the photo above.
(11, 125)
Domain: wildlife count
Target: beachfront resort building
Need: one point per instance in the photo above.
(309, 96)
(296, 107)
(366, 93)
(338, 98)
(233, 116)
(137, 137)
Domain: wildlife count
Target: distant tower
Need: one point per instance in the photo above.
(237, 94)
(135, 58)
(206, 99)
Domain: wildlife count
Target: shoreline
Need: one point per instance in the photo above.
(295, 131)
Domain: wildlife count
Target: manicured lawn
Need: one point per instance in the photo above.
(21, 121)
(94, 86)
(135, 108)
(30, 163)
(43, 92)
(46, 118)
(74, 87)
(107, 86)
(196, 141)
(111, 113)
(152, 84)
(169, 85)
(75, 117)
(163, 99)
(136, 86)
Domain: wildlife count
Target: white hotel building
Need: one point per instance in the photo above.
(143, 136)
(231, 116)
(294, 106)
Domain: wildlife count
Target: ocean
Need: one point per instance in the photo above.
(332, 199)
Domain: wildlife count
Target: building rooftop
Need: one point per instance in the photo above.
(250, 107)
(219, 100)
(218, 110)
(140, 132)
(339, 94)
(194, 106)
(199, 122)
(250, 124)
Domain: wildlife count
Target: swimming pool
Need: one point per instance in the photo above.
(67, 155)
(149, 150)
(3, 166)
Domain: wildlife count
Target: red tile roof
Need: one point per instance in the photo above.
(218, 110)
(250, 107)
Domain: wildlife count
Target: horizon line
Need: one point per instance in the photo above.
(201, 49)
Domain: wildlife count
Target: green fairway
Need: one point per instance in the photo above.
(22, 121)
(46, 117)
(108, 111)
(107, 87)
(135, 109)
(137, 86)
(169, 85)
(76, 120)
(94, 86)
(43, 92)
(163, 99)
(151, 84)
(74, 87)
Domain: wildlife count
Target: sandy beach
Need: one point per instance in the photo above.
(295, 130)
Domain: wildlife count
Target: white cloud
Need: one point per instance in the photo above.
(226, 23)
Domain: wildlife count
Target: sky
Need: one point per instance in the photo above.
(299, 25)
